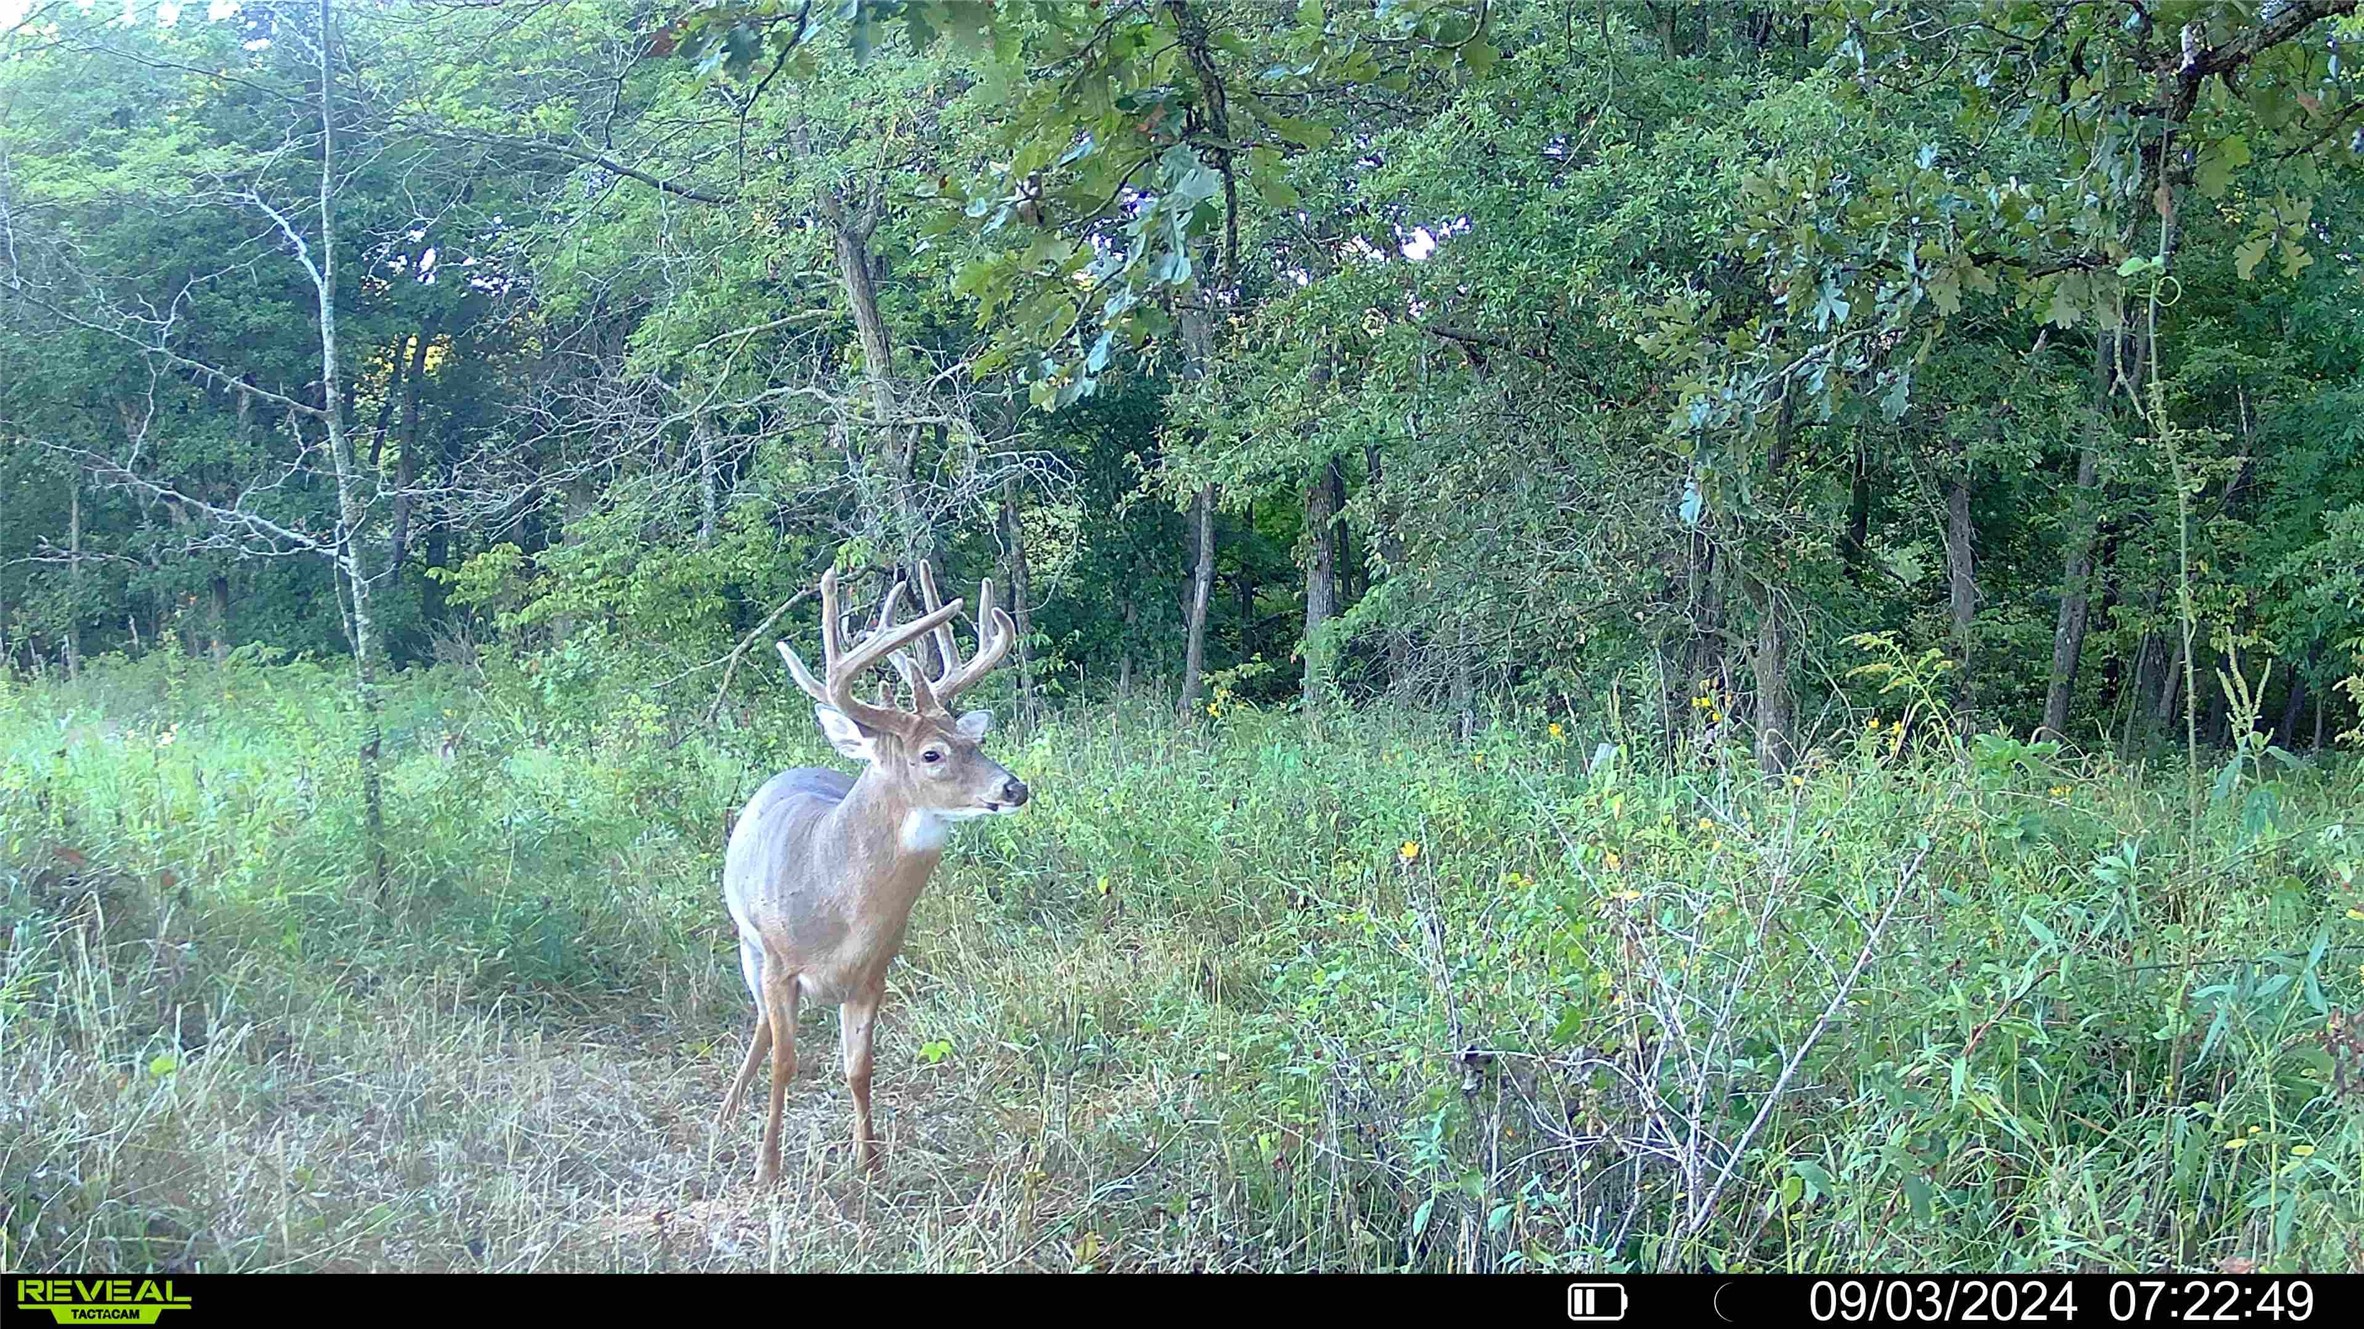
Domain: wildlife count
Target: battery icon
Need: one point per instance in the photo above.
(1596, 1302)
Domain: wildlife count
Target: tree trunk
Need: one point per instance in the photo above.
(1243, 586)
(709, 485)
(1855, 538)
(1776, 710)
(2068, 632)
(219, 585)
(2294, 708)
(1124, 658)
(2170, 688)
(1705, 665)
(1202, 585)
(1776, 718)
(74, 577)
(1461, 698)
(351, 507)
(895, 444)
(1021, 595)
(1323, 498)
(377, 437)
(1960, 566)
(1391, 558)
(406, 464)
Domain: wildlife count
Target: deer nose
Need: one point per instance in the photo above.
(1013, 792)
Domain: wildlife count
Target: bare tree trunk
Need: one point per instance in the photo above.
(74, 577)
(1323, 498)
(1202, 586)
(219, 585)
(406, 465)
(2068, 633)
(1776, 718)
(351, 506)
(2294, 708)
(2171, 688)
(1776, 710)
(1391, 555)
(1707, 665)
(1961, 566)
(1461, 693)
(709, 485)
(1021, 594)
(1855, 536)
(895, 443)
(1124, 658)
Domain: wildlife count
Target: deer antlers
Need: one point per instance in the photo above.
(995, 634)
(886, 641)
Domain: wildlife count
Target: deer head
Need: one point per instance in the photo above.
(926, 754)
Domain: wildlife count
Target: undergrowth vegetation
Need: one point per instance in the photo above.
(1240, 994)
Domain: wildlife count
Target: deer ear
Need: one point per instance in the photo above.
(849, 738)
(975, 724)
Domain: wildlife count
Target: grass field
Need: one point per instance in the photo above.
(1233, 995)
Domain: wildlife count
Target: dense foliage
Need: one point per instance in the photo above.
(1560, 352)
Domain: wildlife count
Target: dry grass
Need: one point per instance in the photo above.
(416, 1128)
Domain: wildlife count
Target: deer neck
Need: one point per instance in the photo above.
(892, 841)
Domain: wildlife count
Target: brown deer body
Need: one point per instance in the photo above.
(823, 868)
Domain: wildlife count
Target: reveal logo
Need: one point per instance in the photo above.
(100, 1300)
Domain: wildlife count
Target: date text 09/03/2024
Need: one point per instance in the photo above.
(2057, 1300)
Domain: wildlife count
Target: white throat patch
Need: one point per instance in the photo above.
(924, 830)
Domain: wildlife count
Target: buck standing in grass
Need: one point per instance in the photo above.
(823, 869)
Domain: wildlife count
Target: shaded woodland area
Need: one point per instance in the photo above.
(1441, 353)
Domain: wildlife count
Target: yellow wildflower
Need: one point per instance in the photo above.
(1797, 781)
(1611, 861)
(1410, 851)
(1706, 825)
(1555, 730)
(1477, 758)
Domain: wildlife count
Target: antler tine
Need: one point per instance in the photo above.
(947, 650)
(842, 668)
(832, 647)
(832, 625)
(880, 645)
(923, 696)
(995, 635)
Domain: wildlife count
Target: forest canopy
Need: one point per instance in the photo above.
(1454, 352)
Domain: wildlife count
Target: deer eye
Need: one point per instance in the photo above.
(932, 756)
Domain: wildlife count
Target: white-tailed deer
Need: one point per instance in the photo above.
(823, 869)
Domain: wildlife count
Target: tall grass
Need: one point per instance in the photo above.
(1235, 995)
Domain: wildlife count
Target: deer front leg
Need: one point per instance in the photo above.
(779, 993)
(855, 1021)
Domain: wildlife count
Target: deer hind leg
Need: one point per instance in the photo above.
(779, 992)
(751, 968)
(855, 1022)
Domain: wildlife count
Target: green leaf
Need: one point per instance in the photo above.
(2251, 252)
(1918, 1195)
(2217, 163)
